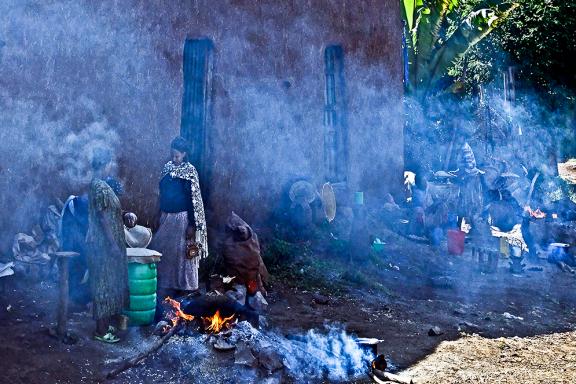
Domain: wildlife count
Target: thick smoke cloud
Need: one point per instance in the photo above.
(71, 72)
(95, 69)
(332, 354)
(524, 133)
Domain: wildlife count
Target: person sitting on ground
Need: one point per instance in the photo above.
(436, 220)
(241, 252)
(551, 193)
(391, 208)
(505, 212)
(419, 190)
(418, 204)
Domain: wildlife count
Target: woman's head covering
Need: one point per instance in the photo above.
(101, 157)
(116, 185)
(180, 144)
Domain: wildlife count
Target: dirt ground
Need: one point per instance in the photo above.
(522, 325)
(474, 359)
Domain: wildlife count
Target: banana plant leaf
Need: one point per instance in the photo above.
(470, 32)
(430, 22)
(408, 10)
(425, 20)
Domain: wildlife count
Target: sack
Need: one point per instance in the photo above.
(138, 236)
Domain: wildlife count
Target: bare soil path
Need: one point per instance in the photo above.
(403, 302)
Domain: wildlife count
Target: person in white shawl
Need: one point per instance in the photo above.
(181, 234)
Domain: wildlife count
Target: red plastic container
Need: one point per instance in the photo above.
(456, 241)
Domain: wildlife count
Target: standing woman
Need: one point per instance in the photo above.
(106, 250)
(181, 235)
(470, 201)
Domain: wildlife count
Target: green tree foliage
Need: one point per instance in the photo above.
(538, 39)
(439, 32)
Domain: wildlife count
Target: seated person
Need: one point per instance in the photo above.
(436, 220)
(418, 205)
(504, 213)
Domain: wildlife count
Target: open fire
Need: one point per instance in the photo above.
(177, 312)
(216, 323)
(537, 214)
(211, 324)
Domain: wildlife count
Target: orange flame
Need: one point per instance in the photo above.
(537, 214)
(178, 313)
(216, 323)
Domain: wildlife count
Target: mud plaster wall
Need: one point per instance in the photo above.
(79, 74)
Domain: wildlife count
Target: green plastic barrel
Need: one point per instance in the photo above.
(142, 287)
(140, 317)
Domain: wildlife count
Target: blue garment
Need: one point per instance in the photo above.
(74, 229)
(176, 196)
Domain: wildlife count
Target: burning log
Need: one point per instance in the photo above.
(178, 313)
(204, 307)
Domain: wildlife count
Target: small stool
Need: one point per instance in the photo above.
(63, 277)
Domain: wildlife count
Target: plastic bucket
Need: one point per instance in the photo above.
(456, 241)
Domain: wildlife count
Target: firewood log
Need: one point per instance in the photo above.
(131, 362)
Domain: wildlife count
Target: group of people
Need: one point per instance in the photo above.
(94, 226)
(479, 202)
(431, 214)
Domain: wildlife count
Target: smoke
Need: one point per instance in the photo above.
(77, 150)
(313, 356)
(95, 69)
(520, 135)
(316, 356)
(41, 157)
(64, 89)
(332, 354)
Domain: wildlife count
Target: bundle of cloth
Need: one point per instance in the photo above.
(241, 252)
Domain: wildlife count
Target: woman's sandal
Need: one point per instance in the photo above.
(109, 338)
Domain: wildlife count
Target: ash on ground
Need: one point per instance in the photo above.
(255, 356)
